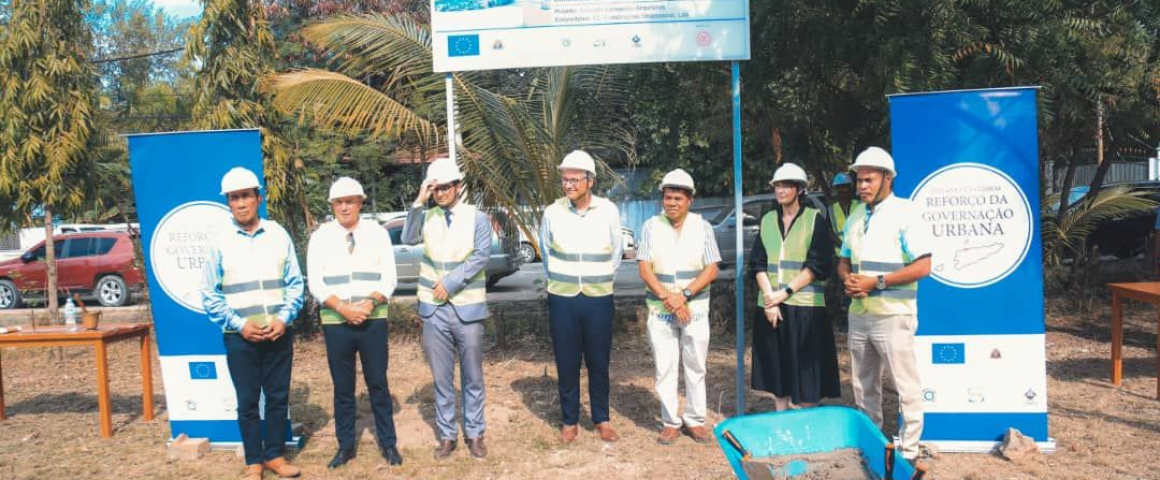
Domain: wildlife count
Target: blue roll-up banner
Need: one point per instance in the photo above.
(177, 184)
(969, 160)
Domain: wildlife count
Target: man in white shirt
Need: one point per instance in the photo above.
(580, 240)
(677, 258)
(351, 267)
(884, 254)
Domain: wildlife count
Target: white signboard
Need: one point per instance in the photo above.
(493, 34)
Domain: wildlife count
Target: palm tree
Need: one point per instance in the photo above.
(1067, 235)
(514, 127)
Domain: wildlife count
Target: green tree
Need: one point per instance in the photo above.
(47, 105)
(231, 49)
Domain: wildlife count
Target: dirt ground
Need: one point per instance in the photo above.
(52, 432)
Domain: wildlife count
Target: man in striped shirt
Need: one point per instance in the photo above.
(677, 257)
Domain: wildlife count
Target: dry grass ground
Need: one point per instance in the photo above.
(1102, 431)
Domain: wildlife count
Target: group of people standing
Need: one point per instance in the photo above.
(879, 255)
(253, 289)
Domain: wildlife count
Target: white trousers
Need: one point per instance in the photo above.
(680, 348)
(879, 342)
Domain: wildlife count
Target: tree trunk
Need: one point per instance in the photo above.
(1103, 166)
(1065, 188)
(50, 266)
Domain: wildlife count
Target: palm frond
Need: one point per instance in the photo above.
(1069, 233)
(346, 104)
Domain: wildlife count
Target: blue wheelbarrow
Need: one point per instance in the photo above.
(748, 438)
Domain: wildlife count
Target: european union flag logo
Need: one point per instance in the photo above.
(203, 371)
(948, 353)
(463, 45)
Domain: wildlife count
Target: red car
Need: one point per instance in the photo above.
(96, 265)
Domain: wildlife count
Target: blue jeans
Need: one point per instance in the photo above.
(256, 369)
(582, 330)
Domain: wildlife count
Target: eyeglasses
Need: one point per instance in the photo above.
(572, 181)
(350, 242)
(445, 188)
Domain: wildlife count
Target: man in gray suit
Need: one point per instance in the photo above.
(452, 299)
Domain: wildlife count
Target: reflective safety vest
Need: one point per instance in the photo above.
(351, 287)
(879, 252)
(254, 285)
(580, 257)
(445, 249)
(838, 217)
(786, 257)
(677, 259)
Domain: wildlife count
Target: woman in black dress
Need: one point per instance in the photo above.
(794, 354)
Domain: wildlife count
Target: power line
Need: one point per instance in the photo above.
(142, 55)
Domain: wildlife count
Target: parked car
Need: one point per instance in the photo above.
(500, 264)
(95, 265)
(753, 208)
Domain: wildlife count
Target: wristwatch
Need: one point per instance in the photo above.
(881, 285)
(788, 291)
(687, 293)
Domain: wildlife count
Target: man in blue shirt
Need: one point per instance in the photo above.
(252, 289)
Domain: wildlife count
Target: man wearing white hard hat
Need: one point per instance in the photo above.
(794, 355)
(452, 296)
(351, 263)
(884, 255)
(252, 289)
(580, 237)
(677, 258)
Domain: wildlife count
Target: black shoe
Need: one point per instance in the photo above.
(444, 449)
(391, 455)
(478, 449)
(341, 458)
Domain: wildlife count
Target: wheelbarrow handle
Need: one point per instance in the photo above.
(745, 455)
(889, 471)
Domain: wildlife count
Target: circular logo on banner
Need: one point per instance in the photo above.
(180, 248)
(978, 221)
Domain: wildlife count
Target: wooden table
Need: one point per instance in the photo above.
(60, 336)
(1148, 292)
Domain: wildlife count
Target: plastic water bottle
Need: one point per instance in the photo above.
(70, 315)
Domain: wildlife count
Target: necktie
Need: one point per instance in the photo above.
(448, 217)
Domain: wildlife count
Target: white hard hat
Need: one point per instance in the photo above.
(578, 160)
(345, 187)
(790, 173)
(678, 179)
(874, 157)
(443, 171)
(239, 178)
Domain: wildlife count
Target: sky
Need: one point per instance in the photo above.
(180, 8)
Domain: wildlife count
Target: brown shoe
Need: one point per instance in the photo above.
(606, 432)
(698, 433)
(253, 472)
(568, 433)
(668, 436)
(282, 468)
(444, 449)
(477, 448)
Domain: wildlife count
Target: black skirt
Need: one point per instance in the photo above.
(798, 359)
